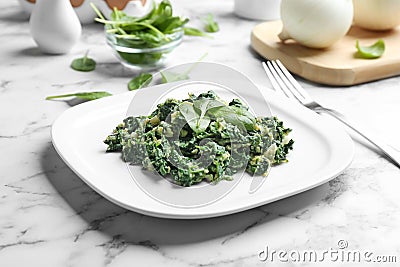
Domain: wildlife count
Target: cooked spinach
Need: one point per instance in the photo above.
(201, 138)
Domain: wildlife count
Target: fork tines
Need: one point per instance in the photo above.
(283, 81)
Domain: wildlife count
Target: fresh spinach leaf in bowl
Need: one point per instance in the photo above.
(146, 40)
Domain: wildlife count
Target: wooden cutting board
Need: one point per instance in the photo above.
(335, 65)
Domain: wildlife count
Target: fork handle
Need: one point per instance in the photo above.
(389, 151)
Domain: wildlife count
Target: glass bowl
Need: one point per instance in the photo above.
(135, 53)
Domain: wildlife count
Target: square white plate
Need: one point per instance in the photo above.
(321, 152)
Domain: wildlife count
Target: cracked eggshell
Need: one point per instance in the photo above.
(135, 8)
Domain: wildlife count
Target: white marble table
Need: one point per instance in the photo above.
(49, 217)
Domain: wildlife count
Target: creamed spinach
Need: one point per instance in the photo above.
(202, 138)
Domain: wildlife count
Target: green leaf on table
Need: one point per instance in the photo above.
(83, 95)
(141, 81)
(195, 32)
(168, 76)
(370, 52)
(210, 24)
(84, 63)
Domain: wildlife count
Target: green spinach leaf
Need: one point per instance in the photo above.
(202, 106)
(168, 76)
(210, 24)
(194, 120)
(234, 115)
(205, 104)
(195, 32)
(84, 63)
(141, 81)
(245, 117)
(370, 52)
(83, 95)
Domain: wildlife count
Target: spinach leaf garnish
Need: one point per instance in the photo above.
(141, 81)
(83, 95)
(370, 52)
(202, 106)
(244, 120)
(196, 122)
(199, 113)
(245, 117)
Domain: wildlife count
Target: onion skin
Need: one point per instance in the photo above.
(315, 23)
(377, 15)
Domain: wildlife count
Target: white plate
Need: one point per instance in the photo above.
(321, 152)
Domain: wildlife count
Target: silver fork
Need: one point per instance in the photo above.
(283, 81)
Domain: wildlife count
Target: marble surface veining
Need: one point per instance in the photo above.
(49, 217)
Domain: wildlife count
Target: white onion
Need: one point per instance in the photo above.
(377, 14)
(315, 23)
